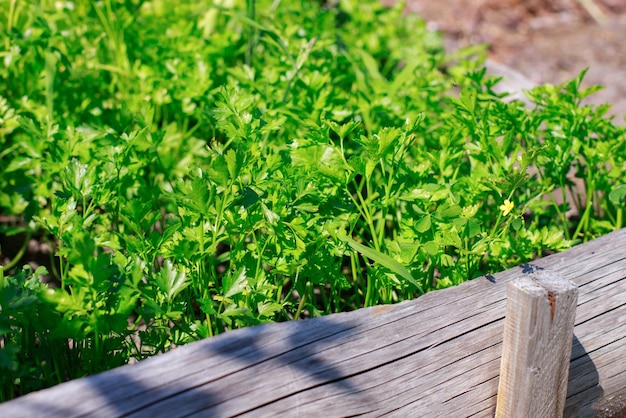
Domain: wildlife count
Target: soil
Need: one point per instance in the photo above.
(541, 41)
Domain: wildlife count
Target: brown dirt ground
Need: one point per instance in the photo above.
(541, 41)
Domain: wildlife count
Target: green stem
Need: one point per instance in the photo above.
(561, 216)
(368, 219)
(467, 258)
(385, 211)
(370, 291)
(251, 9)
(584, 220)
(300, 306)
(209, 326)
(361, 205)
(431, 273)
(495, 226)
(19, 254)
(10, 23)
(53, 265)
(355, 279)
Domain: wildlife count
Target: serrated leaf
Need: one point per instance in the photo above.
(233, 310)
(238, 285)
(170, 281)
(473, 227)
(268, 309)
(233, 162)
(218, 171)
(342, 130)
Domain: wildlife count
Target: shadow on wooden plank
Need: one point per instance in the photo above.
(180, 383)
(263, 361)
(583, 389)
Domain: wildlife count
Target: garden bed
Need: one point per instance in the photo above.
(172, 172)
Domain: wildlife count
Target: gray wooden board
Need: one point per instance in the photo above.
(438, 355)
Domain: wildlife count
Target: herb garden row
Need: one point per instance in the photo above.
(187, 168)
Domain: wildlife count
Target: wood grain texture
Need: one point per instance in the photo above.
(536, 347)
(438, 355)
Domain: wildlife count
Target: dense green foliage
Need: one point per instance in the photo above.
(199, 166)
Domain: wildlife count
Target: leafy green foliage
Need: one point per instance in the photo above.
(203, 166)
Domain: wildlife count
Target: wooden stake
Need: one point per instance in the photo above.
(537, 345)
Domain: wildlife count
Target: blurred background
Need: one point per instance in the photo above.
(541, 41)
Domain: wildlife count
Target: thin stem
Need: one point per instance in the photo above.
(467, 258)
(361, 205)
(19, 254)
(300, 306)
(355, 279)
(385, 210)
(368, 219)
(561, 216)
(584, 220)
(369, 296)
(10, 23)
(251, 9)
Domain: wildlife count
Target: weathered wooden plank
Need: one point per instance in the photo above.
(595, 382)
(438, 355)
